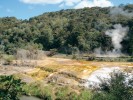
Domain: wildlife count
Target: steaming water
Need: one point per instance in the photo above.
(103, 73)
(29, 98)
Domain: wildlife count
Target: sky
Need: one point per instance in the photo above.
(25, 9)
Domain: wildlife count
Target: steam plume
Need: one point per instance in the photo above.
(117, 35)
(120, 11)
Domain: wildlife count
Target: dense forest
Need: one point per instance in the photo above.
(67, 30)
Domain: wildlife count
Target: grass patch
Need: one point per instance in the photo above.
(38, 90)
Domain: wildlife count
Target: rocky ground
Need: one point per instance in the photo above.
(63, 71)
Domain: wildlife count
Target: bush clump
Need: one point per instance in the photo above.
(10, 88)
(115, 88)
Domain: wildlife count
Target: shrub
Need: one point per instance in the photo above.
(10, 88)
(52, 52)
(36, 89)
(8, 59)
(65, 93)
(85, 95)
(116, 88)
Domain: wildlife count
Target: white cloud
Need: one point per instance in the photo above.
(41, 1)
(83, 4)
(71, 2)
(68, 2)
(61, 2)
(62, 5)
(94, 3)
(76, 3)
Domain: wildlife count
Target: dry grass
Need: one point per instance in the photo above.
(38, 74)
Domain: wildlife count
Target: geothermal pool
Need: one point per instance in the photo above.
(103, 73)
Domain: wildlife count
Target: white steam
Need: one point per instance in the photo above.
(117, 35)
(115, 11)
(99, 53)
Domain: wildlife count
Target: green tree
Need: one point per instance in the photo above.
(10, 88)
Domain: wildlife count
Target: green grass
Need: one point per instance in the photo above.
(54, 92)
(38, 90)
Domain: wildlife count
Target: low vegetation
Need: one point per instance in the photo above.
(10, 88)
(110, 59)
(115, 88)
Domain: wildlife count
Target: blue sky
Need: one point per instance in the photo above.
(24, 9)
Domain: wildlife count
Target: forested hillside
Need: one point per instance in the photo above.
(66, 30)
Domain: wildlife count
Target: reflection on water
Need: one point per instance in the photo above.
(29, 98)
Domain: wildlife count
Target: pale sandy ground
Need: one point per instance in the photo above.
(10, 70)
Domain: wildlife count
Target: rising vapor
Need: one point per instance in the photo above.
(117, 35)
(115, 11)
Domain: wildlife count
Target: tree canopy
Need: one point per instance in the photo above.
(65, 29)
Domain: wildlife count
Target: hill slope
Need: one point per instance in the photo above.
(66, 30)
